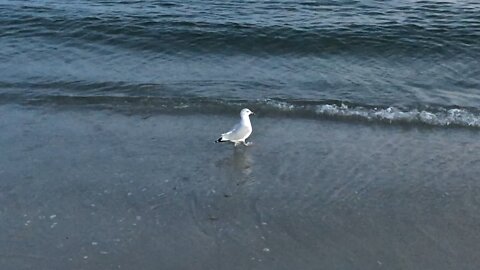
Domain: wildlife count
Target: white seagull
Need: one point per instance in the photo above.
(240, 131)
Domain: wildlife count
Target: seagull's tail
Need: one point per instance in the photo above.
(220, 140)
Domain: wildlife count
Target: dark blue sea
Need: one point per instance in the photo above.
(391, 61)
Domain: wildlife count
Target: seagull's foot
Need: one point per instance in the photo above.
(247, 143)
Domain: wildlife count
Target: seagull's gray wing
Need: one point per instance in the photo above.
(238, 132)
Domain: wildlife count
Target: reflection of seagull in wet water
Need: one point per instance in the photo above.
(240, 131)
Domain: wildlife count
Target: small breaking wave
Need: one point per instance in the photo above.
(334, 110)
(433, 116)
(439, 117)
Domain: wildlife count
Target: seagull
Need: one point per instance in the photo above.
(240, 131)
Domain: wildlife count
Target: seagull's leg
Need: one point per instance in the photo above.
(247, 143)
(235, 144)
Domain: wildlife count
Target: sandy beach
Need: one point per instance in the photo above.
(97, 189)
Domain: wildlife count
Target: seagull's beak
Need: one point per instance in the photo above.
(253, 113)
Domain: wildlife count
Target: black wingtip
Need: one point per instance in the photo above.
(219, 140)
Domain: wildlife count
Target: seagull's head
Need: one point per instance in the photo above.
(245, 112)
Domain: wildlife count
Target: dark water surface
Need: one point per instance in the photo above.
(365, 150)
(411, 57)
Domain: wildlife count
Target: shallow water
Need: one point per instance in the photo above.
(93, 190)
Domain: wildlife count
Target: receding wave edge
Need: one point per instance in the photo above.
(331, 109)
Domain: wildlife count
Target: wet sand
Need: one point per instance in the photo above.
(92, 189)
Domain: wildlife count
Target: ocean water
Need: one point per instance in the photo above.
(405, 61)
(365, 142)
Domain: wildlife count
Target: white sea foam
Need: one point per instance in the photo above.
(439, 117)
